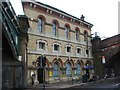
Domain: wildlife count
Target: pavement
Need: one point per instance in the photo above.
(69, 84)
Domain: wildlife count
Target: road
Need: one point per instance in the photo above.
(104, 84)
(108, 84)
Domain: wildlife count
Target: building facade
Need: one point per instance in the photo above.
(14, 39)
(65, 40)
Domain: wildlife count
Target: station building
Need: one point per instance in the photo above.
(64, 39)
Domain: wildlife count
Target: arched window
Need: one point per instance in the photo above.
(85, 36)
(78, 71)
(77, 34)
(55, 27)
(67, 31)
(68, 69)
(56, 69)
(41, 25)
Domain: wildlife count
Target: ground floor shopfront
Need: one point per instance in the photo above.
(59, 69)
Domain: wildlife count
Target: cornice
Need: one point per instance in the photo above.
(62, 14)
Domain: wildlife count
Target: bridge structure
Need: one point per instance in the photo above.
(106, 55)
(14, 46)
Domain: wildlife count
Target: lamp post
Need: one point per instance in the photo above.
(87, 52)
(42, 64)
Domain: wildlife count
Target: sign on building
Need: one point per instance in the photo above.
(103, 59)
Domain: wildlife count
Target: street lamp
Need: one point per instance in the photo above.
(41, 61)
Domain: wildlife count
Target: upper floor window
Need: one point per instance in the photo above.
(85, 36)
(68, 49)
(55, 28)
(77, 34)
(67, 31)
(56, 47)
(78, 51)
(41, 45)
(41, 22)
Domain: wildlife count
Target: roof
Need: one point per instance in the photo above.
(60, 11)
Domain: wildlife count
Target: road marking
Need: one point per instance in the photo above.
(117, 84)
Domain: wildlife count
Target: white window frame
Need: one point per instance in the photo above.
(42, 41)
(79, 54)
(58, 45)
(71, 49)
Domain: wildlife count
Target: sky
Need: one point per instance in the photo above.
(103, 14)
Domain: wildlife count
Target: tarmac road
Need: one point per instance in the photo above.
(104, 84)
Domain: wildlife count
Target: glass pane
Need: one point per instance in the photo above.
(78, 69)
(54, 29)
(68, 70)
(40, 25)
(77, 35)
(68, 49)
(55, 70)
(56, 47)
(42, 45)
(78, 50)
(66, 32)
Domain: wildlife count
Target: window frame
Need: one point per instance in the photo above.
(85, 36)
(77, 34)
(42, 45)
(55, 28)
(68, 49)
(71, 50)
(41, 25)
(58, 44)
(58, 48)
(45, 45)
(56, 72)
(68, 70)
(67, 32)
(78, 73)
(80, 51)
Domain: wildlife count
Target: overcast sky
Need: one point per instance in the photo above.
(103, 14)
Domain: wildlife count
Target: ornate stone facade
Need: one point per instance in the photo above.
(62, 38)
